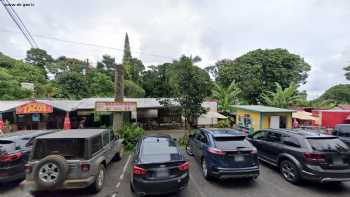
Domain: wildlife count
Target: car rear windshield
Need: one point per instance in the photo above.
(344, 131)
(68, 148)
(327, 145)
(233, 142)
(159, 151)
(7, 146)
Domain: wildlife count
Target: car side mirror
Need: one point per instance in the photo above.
(190, 136)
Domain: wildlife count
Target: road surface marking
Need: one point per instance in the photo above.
(124, 169)
(197, 187)
(121, 177)
(118, 185)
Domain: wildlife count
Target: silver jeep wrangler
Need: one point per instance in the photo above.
(71, 159)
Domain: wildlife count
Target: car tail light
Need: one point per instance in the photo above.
(216, 151)
(11, 157)
(28, 168)
(254, 151)
(139, 171)
(314, 157)
(85, 167)
(185, 166)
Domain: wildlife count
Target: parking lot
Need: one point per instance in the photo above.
(269, 184)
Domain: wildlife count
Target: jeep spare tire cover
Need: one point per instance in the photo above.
(51, 171)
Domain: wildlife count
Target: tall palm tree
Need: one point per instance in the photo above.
(226, 96)
(282, 97)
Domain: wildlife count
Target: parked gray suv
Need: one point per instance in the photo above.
(71, 159)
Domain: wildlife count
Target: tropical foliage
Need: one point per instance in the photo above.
(257, 71)
(282, 97)
(226, 96)
(131, 134)
(347, 72)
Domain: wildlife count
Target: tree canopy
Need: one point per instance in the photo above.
(227, 97)
(339, 94)
(282, 98)
(347, 72)
(257, 71)
(191, 86)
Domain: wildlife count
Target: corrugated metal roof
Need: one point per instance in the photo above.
(261, 108)
(65, 105)
(8, 105)
(89, 103)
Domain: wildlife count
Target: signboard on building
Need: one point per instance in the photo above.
(115, 106)
(34, 107)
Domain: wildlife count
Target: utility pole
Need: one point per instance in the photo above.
(119, 96)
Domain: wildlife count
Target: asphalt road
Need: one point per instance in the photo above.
(269, 184)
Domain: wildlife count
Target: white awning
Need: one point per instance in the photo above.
(302, 115)
(213, 114)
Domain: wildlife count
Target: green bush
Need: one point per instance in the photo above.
(183, 140)
(130, 134)
(223, 124)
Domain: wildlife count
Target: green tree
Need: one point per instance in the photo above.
(192, 85)
(156, 81)
(48, 90)
(339, 94)
(11, 90)
(23, 72)
(131, 89)
(39, 57)
(282, 97)
(137, 68)
(226, 96)
(6, 61)
(257, 71)
(72, 85)
(99, 84)
(107, 66)
(347, 72)
(65, 64)
(127, 58)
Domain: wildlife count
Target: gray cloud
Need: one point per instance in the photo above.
(317, 30)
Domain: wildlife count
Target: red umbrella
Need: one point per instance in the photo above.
(348, 118)
(66, 124)
(2, 125)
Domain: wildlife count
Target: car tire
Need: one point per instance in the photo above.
(36, 193)
(290, 171)
(189, 149)
(98, 184)
(205, 170)
(50, 172)
(132, 188)
(119, 155)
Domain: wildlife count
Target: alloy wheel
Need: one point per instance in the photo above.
(49, 172)
(100, 178)
(189, 150)
(288, 171)
(204, 168)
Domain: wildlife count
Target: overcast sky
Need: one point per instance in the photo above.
(317, 30)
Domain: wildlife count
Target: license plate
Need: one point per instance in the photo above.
(239, 158)
(162, 172)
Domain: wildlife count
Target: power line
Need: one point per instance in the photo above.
(15, 21)
(19, 23)
(20, 20)
(88, 44)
